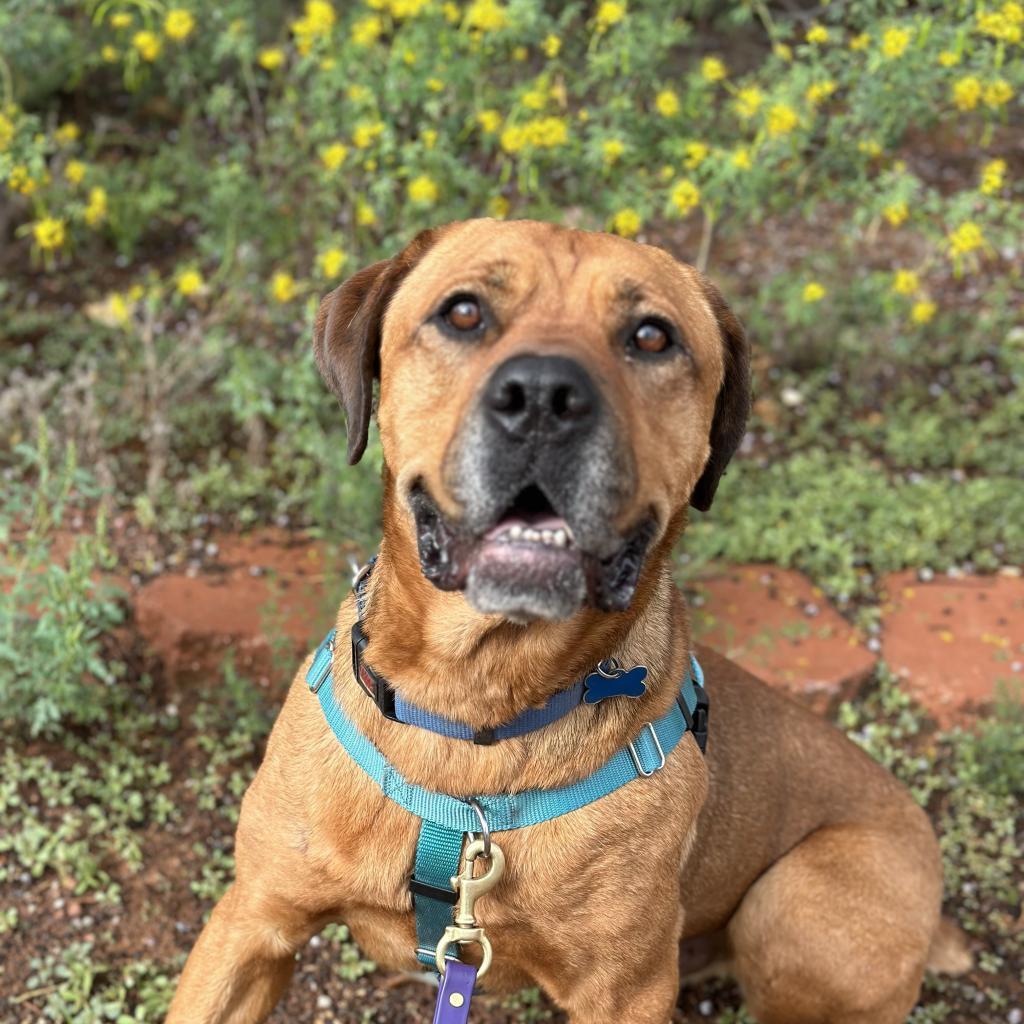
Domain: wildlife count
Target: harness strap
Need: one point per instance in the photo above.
(438, 856)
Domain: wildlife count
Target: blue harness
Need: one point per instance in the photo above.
(446, 820)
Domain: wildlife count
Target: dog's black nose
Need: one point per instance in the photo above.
(530, 394)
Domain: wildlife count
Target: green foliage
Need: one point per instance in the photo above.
(992, 755)
(834, 515)
(81, 990)
(53, 609)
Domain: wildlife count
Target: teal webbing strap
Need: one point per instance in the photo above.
(438, 857)
(504, 811)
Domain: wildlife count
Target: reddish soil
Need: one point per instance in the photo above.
(954, 642)
(779, 626)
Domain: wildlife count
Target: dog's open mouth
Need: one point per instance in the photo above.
(528, 564)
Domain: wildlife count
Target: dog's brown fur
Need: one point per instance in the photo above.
(815, 866)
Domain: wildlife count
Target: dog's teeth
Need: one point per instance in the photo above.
(515, 532)
(547, 537)
(531, 535)
(560, 539)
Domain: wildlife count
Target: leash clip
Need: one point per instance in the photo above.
(637, 763)
(470, 889)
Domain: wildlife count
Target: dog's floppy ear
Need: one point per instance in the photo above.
(346, 335)
(732, 406)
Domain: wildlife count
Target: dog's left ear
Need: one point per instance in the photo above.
(346, 335)
(732, 406)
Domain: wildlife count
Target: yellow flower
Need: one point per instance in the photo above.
(189, 282)
(741, 159)
(535, 99)
(109, 54)
(782, 119)
(817, 92)
(317, 21)
(96, 209)
(122, 19)
(271, 58)
(966, 92)
(498, 207)
(696, 154)
(6, 131)
(895, 42)
(330, 261)
(520, 53)
(357, 93)
(870, 146)
(366, 31)
(860, 42)
(333, 156)
(949, 59)
(626, 222)
(998, 93)
(713, 69)
(993, 177)
(435, 85)
(49, 233)
(119, 308)
(782, 51)
(966, 238)
(409, 57)
(905, 282)
(817, 34)
(283, 287)
(75, 171)
(684, 196)
(748, 101)
(922, 311)
(451, 12)
(489, 121)
(814, 292)
(667, 103)
(429, 137)
(1005, 24)
(402, 9)
(148, 44)
(21, 181)
(486, 16)
(179, 23)
(365, 214)
(612, 149)
(423, 190)
(667, 172)
(67, 133)
(609, 13)
(541, 132)
(551, 46)
(896, 213)
(366, 132)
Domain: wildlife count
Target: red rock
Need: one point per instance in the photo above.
(778, 625)
(953, 641)
(264, 597)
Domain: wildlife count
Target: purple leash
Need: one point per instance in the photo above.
(455, 993)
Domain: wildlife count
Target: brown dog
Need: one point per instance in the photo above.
(589, 388)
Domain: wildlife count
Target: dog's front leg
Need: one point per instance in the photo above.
(241, 964)
(627, 996)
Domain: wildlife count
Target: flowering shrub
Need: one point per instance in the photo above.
(224, 164)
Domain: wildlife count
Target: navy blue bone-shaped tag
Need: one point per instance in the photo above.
(628, 683)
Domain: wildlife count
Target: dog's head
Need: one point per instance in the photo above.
(550, 402)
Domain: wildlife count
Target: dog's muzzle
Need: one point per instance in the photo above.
(541, 476)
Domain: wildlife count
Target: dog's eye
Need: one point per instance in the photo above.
(651, 338)
(464, 314)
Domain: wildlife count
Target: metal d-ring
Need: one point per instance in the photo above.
(359, 572)
(610, 668)
(485, 832)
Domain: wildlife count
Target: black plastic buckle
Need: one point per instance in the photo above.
(697, 721)
(433, 892)
(375, 686)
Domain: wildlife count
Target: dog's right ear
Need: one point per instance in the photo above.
(347, 331)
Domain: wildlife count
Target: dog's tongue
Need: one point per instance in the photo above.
(534, 523)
